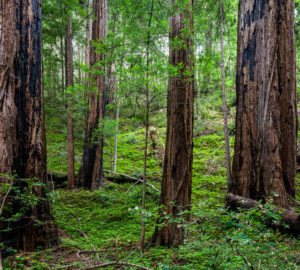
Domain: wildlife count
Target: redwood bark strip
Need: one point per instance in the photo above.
(22, 124)
(91, 171)
(177, 176)
(266, 121)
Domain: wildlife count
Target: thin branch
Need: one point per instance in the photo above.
(133, 178)
(5, 197)
(293, 200)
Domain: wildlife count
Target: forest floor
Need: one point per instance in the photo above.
(105, 225)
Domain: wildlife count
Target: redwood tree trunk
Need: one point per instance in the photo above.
(266, 121)
(177, 176)
(91, 171)
(87, 54)
(70, 83)
(22, 127)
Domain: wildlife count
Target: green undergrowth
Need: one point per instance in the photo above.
(109, 219)
(106, 215)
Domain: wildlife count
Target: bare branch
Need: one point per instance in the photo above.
(133, 178)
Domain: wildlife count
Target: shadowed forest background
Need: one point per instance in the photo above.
(132, 98)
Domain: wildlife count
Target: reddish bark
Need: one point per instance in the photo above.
(70, 83)
(266, 122)
(22, 124)
(91, 171)
(177, 176)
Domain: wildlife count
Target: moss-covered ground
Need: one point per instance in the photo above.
(109, 219)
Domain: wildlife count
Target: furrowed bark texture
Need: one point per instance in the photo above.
(91, 171)
(70, 83)
(177, 176)
(266, 121)
(22, 130)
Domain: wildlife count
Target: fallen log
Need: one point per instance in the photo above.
(290, 218)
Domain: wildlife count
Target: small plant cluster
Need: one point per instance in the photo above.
(20, 194)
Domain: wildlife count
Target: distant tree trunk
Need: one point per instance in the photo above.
(226, 133)
(146, 126)
(22, 124)
(266, 120)
(116, 136)
(177, 177)
(197, 100)
(70, 83)
(88, 38)
(209, 52)
(62, 67)
(78, 65)
(62, 49)
(111, 75)
(111, 85)
(91, 171)
(118, 101)
(87, 53)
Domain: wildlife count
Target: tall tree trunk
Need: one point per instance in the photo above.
(226, 133)
(146, 126)
(91, 171)
(87, 53)
(22, 123)
(70, 83)
(177, 177)
(118, 100)
(266, 120)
